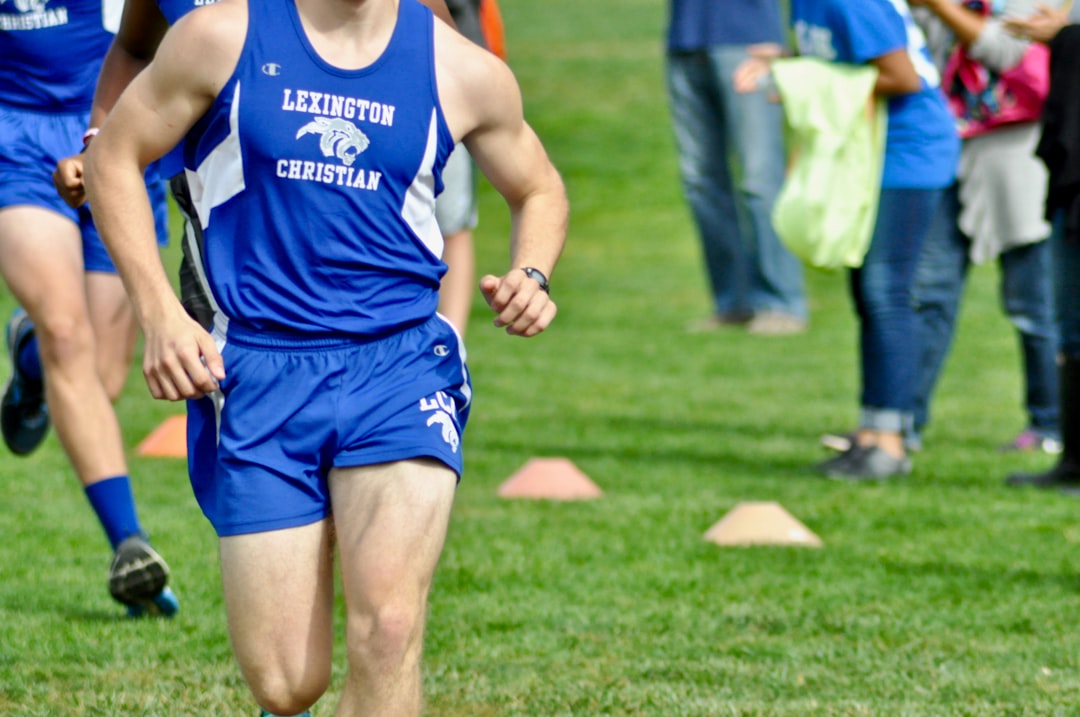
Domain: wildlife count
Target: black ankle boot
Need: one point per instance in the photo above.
(1066, 474)
(1063, 475)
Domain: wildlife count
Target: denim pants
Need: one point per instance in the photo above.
(1065, 251)
(1026, 296)
(732, 162)
(882, 290)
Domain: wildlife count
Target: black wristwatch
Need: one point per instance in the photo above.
(538, 276)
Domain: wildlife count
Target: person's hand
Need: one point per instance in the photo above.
(180, 359)
(1042, 26)
(765, 50)
(520, 304)
(68, 178)
(752, 73)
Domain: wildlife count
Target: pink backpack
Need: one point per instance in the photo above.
(982, 100)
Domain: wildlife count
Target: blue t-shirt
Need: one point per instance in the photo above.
(922, 147)
(697, 24)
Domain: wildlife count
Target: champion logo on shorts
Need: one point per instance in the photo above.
(442, 413)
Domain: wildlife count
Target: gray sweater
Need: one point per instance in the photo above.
(1002, 183)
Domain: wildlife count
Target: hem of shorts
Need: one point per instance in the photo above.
(372, 459)
(101, 270)
(266, 526)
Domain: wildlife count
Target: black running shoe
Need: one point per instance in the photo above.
(137, 574)
(865, 463)
(24, 417)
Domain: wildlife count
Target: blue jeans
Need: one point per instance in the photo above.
(1026, 296)
(1066, 260)
(882, 290)
(749, 269)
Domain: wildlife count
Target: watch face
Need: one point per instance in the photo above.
(538, 276)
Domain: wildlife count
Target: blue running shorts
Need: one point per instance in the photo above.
(289, 410)
(31, 144)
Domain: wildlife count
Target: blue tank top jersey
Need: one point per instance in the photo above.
(173, 10)
(51, 52)
(922, 148)
(316, 186)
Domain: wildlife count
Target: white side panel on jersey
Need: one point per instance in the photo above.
(419, 209)
(111, 10)
(220, 177)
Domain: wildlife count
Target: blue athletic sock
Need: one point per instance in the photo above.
(29, 360)
(114, 504)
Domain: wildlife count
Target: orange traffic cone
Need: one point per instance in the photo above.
(549, 478)
(761, 524)
(169, 440)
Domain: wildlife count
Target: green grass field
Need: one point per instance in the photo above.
(941, 594)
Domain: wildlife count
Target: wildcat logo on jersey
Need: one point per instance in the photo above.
(340, 138)
(336, 123)
(34, 16)
(28, 5)
(442, 415)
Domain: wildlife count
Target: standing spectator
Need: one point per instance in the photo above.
(731, 158)
(1059, 148)
(921, 150)
(1043, 26)
(315, 132)
(993, 212)
(71, 345)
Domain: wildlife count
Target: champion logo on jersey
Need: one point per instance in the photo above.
(271, 69)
